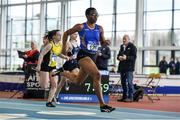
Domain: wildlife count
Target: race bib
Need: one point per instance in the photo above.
(92, 46)
(54, 58)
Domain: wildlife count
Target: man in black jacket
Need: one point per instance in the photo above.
(103, 55)
(163, 65)
(127, 57)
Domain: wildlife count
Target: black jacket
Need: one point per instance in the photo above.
(177, 68)
(130, 51)
(163, 66)
(102, 61)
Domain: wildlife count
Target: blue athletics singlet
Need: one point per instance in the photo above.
(89, 38)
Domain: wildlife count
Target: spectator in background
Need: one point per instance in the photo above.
(177, 66)
(103, 55)
(31, 56)
(163, 65)
(172, 67)
(127, 57)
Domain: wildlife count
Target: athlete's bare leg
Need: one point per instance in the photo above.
(44, 80)
(60, 85)
(75, 77)
(63, 81)
(53, 82)
(90, 68)
(87, 67)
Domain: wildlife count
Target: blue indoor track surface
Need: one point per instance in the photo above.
(30, 109)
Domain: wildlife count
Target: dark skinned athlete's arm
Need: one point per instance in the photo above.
(102, 38)
(76, 28)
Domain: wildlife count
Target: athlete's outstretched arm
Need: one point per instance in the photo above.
(72, 30)
(64, 56)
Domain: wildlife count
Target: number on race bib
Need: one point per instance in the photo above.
(54, 57)
(93, 47)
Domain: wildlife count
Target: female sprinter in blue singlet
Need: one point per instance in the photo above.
(70, 65)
